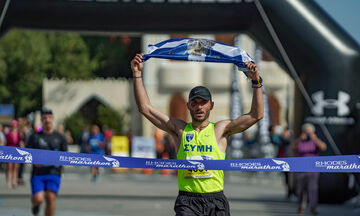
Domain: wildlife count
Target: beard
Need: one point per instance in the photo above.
(196, 119)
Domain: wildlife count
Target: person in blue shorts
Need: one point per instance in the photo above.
(95, 145)
(46, 179)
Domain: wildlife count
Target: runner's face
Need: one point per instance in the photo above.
(200, 109)
(47, 121)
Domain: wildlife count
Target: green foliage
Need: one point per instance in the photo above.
(74, 123)
(110, 54)
(111, 118)
(104, 116)
(70, 57)
(27, 57)
(3, 67)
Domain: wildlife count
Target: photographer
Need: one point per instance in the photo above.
(308, 145)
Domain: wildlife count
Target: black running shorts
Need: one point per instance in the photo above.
(201, 204)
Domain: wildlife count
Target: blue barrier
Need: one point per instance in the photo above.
(344, 163)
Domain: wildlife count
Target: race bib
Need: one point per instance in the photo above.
(198, 173)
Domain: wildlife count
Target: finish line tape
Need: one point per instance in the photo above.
(344, 163)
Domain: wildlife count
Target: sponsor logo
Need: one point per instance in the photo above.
(115, 163)
(337, 165)
(284, 165)
(280, 166)
(79, 161)
(25, 156)
(189, 136)
(199, 165)
(169, 165)
(320, 104)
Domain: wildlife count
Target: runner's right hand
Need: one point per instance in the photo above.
(137, 65)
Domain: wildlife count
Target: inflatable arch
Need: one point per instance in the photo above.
(299, 35)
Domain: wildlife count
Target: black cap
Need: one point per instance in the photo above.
(46, 111)
(201, 92)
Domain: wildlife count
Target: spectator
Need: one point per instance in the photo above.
(108, 133)
(2, 140)
(159, 145)
(2, 135)
(170, 146)
(66, 133)
(60, 129)
(83, 138)
(282, 138)
(308, 145)
(26, 131)
(68, 137)
(95, 145)
(13, 140)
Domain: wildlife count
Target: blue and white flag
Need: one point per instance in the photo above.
(190, 49)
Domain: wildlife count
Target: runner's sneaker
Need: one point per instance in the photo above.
(35, 210)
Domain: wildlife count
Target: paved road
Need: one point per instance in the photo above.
(134, 194)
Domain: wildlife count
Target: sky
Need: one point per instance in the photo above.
(345, 13)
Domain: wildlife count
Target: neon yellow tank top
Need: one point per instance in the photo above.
(200, 146)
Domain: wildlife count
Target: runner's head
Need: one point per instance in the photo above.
(200, 103)
(47, 120)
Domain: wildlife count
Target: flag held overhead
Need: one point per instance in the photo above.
(204, 50)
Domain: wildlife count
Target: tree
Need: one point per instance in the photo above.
(3, 67)
(103, 116)
(27, 57)
(70, 57)
(113, 54)
(75, 123)
(111, 118)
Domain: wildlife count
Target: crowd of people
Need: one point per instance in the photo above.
(45, 180)
(16, 135)
(20, 133)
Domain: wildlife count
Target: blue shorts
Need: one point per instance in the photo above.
(45, 182)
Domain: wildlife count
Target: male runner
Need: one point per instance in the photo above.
(45, 179)
(200, 193)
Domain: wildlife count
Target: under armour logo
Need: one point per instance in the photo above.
(321, 103)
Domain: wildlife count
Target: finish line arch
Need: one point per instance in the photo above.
(299, 35)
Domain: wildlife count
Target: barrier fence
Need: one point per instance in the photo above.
(343, 163)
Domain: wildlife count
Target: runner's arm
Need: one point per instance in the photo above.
(257, 107)
(159, 119)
